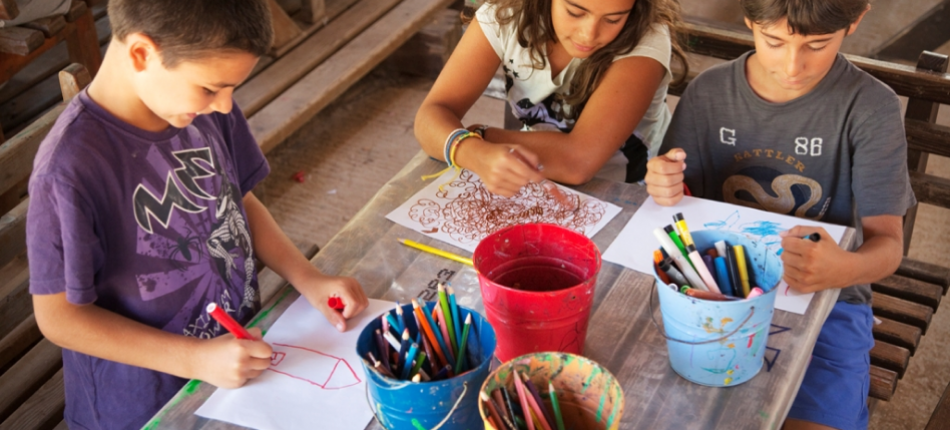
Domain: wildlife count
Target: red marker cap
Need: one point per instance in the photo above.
(335, 303)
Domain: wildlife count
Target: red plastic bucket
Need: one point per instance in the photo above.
(537, 283)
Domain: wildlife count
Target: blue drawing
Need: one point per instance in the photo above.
(770, 363)
(718, 356)
(763, 228)
(725, 224)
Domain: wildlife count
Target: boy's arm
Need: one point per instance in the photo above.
(223, 361)
(275, 249)
(815, 266)
(666, 173)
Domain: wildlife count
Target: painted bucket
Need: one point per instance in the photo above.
(589, 396)
(537, 283)
(716, 343)
(449, 404)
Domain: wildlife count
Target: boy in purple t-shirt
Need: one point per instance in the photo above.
(141, 214)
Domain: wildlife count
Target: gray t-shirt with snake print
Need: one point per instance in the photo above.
(836, 154)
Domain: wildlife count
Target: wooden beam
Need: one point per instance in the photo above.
(73, 79)
(941, 413)
(285, 29)
(44, 409)
(27, 375)
(927, 272)
(268, 84)
(895, 333)
(314, 11)
(928, 32)
(13, 233)
(333, 9)
(317, 89)
(76, 9)
(49, 26)
(20, 41)
(927, 137)
(910, 289)
(17, 153)
(890, 357)
(883, 383)
(931, 189)
(9, 9)
(18, 340)
(900, 310)
(83, 47)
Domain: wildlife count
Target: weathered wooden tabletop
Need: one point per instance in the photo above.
(621, 335)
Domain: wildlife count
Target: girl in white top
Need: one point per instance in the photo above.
(589, 77)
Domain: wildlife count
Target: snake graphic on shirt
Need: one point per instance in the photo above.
(783, 201)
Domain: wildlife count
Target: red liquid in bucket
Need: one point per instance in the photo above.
(537, 283)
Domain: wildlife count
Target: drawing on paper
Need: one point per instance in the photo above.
(471, 212)
(310, 366)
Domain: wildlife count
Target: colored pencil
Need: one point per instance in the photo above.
(420, 357)
(500, 405)
(400, 318)
(437, 334)
(444, 328)
(424, 323)
(743, 269)
(556, 406)
(403, 349)
(455, 316)
(492, 411)
(460, 359)
(393, 323)
(510, 405)
(523, 398)
(436, 251)
(227, 322)
(533, 401)
(447, 315)
(533, 389)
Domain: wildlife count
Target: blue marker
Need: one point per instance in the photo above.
(722, 276)
(814, 237)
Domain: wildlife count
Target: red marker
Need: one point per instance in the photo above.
(229, 323)
(335, 303)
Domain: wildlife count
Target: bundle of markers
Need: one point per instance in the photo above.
(524, 408)
(431, 349)
(719, 273)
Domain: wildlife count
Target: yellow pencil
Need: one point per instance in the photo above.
(436, 251)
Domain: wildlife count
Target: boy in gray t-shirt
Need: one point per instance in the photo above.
(794, 128)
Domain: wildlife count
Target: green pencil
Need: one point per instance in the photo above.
(556, 406)
(447, 314)
(460, 358)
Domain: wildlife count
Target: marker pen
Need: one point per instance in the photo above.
(701, 269)
(678, 258)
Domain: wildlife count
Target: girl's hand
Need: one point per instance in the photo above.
(318, 288)
(503, 168)
(229, 362)
(664, 177)
(812, 266)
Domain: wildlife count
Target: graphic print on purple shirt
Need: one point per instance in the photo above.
(201, 254)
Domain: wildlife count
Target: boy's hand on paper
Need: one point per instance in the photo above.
(318, 288)
(229, 362)
(664, 177)
(503, 168)
(812, 266)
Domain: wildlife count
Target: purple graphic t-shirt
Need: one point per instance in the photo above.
(149, 225)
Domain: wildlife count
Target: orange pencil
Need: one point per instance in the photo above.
(428, 330)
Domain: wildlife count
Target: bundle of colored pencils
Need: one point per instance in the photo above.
(522, 407)
(432, 347)
(720, 273)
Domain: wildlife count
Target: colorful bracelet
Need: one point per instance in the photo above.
(458, 142)
(447, 149)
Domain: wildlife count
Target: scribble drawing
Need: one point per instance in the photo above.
(472, 212)
(311, 366)
(725, 224)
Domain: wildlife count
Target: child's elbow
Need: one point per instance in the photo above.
(577, 177)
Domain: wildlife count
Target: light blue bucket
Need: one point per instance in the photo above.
(449, 404)
(721, 344)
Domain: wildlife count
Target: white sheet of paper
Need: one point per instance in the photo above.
(465, 211)
(315, 379)
(633, 247)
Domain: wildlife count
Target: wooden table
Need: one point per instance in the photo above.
(621, 336)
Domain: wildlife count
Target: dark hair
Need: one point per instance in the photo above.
(193, 29)
(806, 17)
(534, 29)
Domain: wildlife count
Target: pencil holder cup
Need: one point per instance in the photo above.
(537, 283)
(588, 395)
(720, 343)
(448, 404)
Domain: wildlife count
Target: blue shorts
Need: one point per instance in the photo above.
(835, 389)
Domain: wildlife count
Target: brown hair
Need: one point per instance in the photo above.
(535, 29)
(806, 17)
(193, 29)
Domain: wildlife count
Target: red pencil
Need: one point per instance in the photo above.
(335, 303)
(229, 323)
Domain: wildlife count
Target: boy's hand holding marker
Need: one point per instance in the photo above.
(320, 290)
(812, 264)
(230, 360)
(664, 177)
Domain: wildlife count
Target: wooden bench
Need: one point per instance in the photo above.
(21, 45)
(905, 301)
